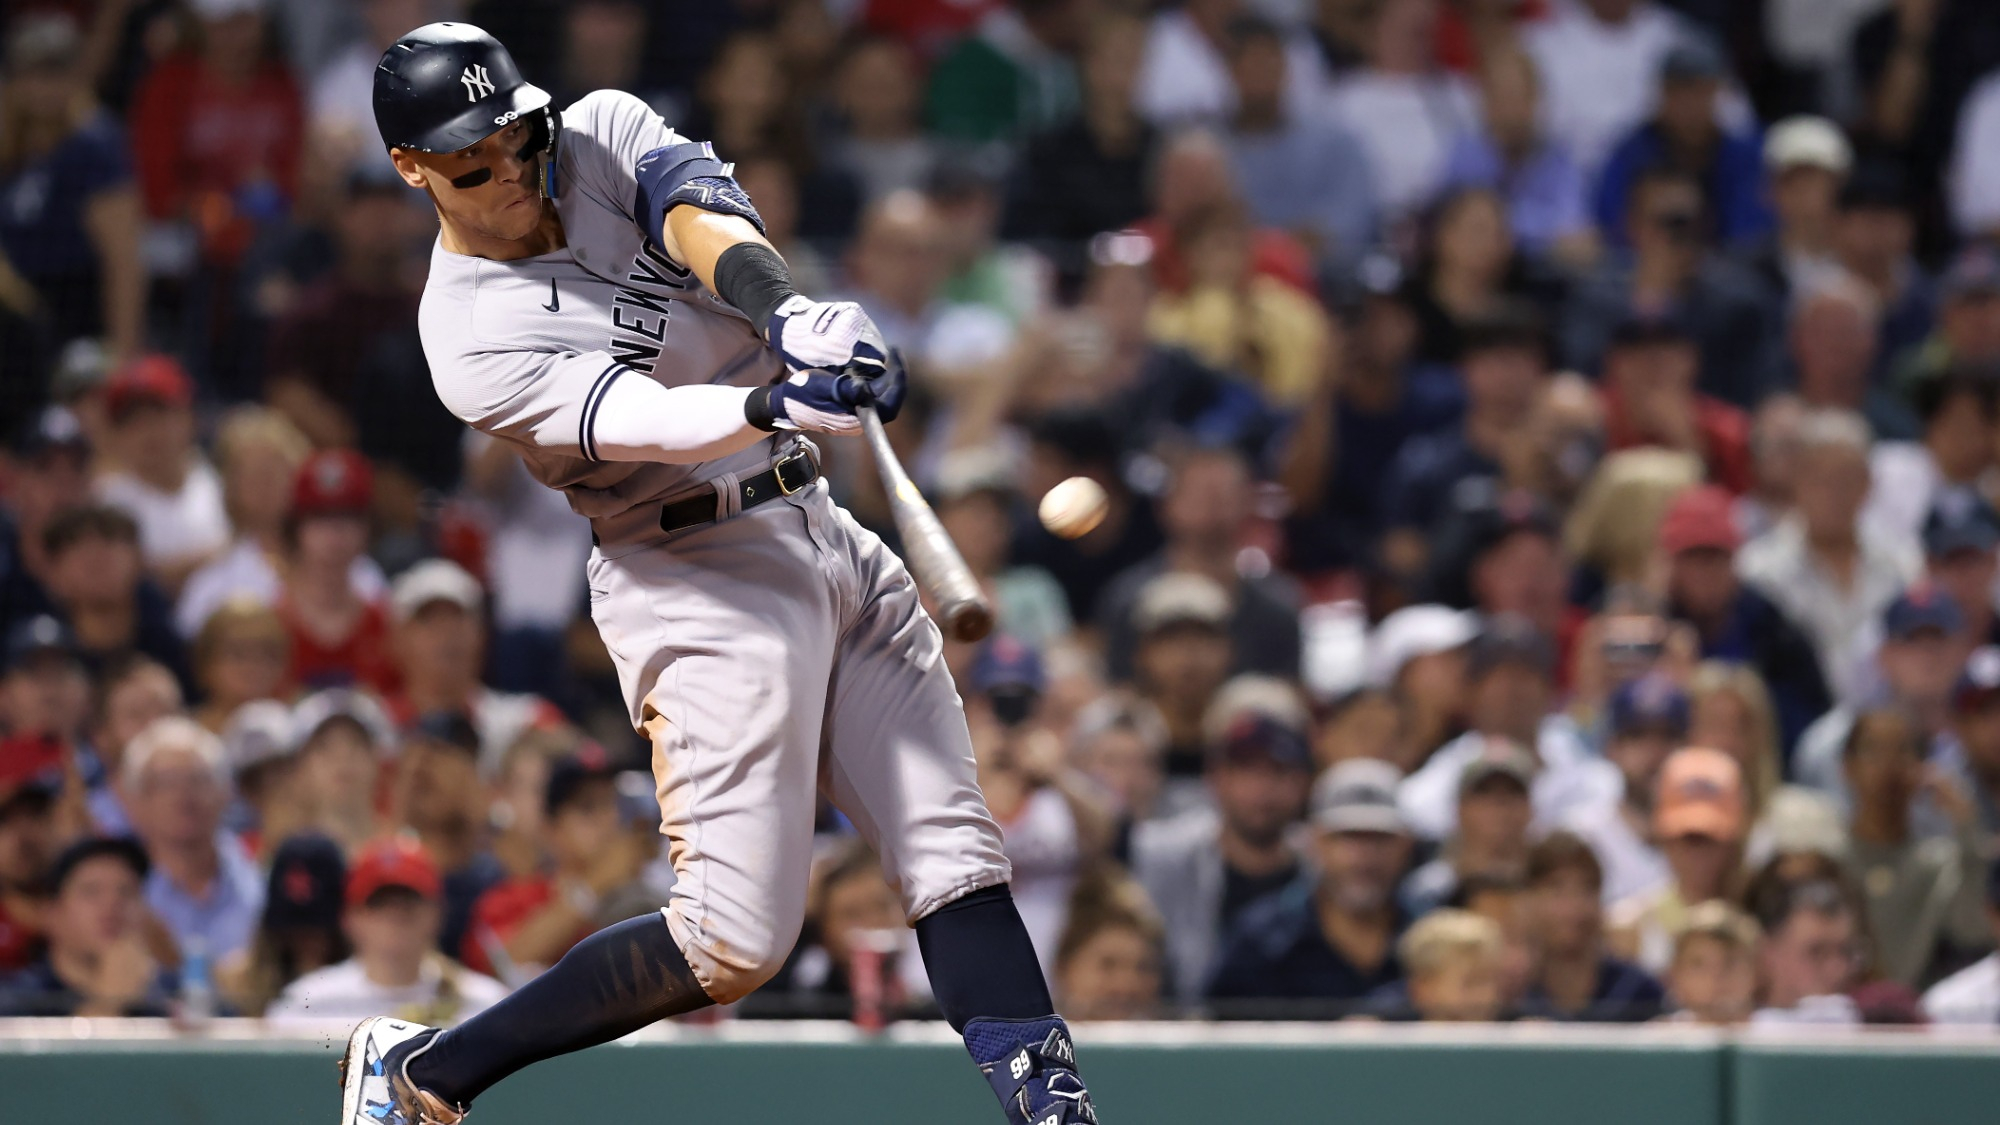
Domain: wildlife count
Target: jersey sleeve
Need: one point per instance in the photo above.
(606, 134)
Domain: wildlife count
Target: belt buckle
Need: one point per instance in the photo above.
(778, 470)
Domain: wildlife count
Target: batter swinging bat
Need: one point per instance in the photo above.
(932, 557)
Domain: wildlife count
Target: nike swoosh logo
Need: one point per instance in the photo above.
(555, 299)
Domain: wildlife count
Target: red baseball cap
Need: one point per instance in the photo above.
(333, 482)
(1702, 516)
(149, 378)
(400, 862)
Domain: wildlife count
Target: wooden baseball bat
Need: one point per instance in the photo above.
(933, 559)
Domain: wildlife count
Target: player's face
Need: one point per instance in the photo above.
(488, 187)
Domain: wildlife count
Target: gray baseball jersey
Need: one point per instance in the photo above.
(774, 653)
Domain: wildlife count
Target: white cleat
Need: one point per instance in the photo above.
(374, 1093)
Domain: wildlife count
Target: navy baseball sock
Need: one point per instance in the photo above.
(980, 960)
(613, 982)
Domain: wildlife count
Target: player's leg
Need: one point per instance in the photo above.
(730, 633)
(899, 764)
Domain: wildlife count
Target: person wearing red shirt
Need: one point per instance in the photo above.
(1651, 371)
(526, 923)
(1195, 174)
(438, 634)
(216, 131)
(27, 844)
(339, 638)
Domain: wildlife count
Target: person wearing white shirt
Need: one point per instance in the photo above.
(1971, 996)
(394, 912)
(1810, 952)
(340, 102)
(1509, 668)
(1975, 169)
(162, 481)
(1407, 113)
(1599, 60)
(1184, 76)
(1649, 721)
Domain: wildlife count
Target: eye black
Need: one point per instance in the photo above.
(472, 179)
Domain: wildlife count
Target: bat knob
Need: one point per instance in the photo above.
(969, 620)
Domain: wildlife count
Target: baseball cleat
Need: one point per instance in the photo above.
(375, 1088)
(1032, 1066)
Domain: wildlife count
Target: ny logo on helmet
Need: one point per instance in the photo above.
(477, 84)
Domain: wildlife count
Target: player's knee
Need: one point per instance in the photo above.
(737, 968)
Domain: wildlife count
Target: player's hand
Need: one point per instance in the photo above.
(834, 336)
(826, 402)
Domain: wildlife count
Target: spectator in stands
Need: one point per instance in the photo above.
(897, 266)
(1807, 160)
(71, 225)
(1924, 896)
(345, 364)
(1686, 135)
(1467, 276)
(1205, 513)
(1652, 398)
(1960, 537)
(1968, 319)
(97, 962)
(300, 931)
(851, 912)
(1647, 719)
(1506, 904)
(1203, 869)
(1089, 174)
(343, 737)
(1111, 963)
(1013, 76)
(28, 842)
(1194, 173)
(44, 699)
(1300, 173)
(1013, 281)
(1331, 935)
(1951, 462)
(1731, 711)
(1575, 978)
(1437, 477)
(1453, 958)
(217, 132)
(439, 641)
(604, 47)
(203, 885)
(340, 634)
(340, 98)
(437, 796)
(1811, 953)
(132, 694)
(1600, 61)
(1873, 237)
(1733, 621)
(1974, 178)
(1184, 78)
(1670, 271)
(1407, 113)
(162, 480)
(1713, 977)
(1835, 324)
(48, 467)
(242, 654)
(1082, 441)
(271, 804)
(1975, 723)
(1489, 839)
(977, 496)
(1817, 566)
(880, 142)
(1971, 996)
(1509, 689)
(1515, 562)
(744, 104)
(1514, 156)
(522, 925)
(1120, 745)
(1181, 657)
(1699, 825)
(1916, 665)
(1417, 654)
(102, 594)
(393, 914)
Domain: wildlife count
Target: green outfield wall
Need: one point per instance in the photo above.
(1169, 1076)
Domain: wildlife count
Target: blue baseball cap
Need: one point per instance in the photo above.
(1649, 703)
(1007, 663)
(1918, 608)
(1960, 522)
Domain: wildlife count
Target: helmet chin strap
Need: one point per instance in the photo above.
(542, 140)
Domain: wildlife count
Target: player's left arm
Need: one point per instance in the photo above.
(695, 211)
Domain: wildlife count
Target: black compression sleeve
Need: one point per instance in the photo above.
(752, 277)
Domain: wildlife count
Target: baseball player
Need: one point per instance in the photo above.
(602, 297)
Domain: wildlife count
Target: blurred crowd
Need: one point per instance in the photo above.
(1550, 567)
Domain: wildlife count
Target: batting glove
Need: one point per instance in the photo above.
(824, 402)
(826, 336)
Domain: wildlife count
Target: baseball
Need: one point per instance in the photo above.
(1072, 508)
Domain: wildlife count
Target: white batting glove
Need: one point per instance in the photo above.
(833, 336)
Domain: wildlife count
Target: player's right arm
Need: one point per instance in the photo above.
(589, 405)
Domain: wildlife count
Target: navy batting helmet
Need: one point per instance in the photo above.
(445, 86)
